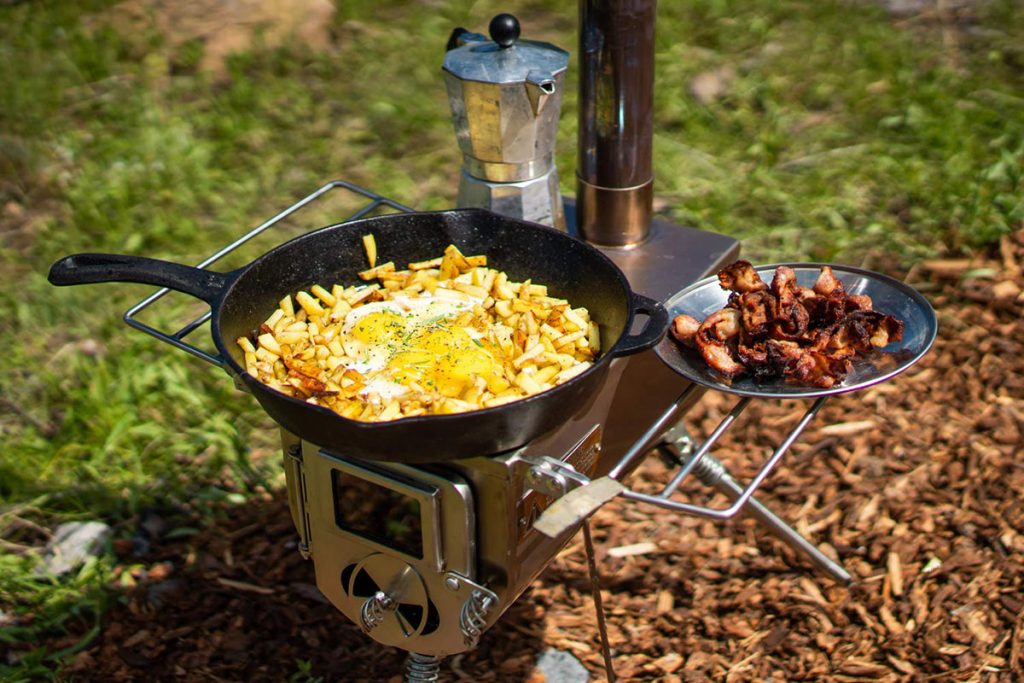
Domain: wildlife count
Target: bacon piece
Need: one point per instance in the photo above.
(827, 283)
(784, 287)
(859, 302)
(757, 310)
(794, 326)
(741, 277)
(684, 329)
(712, 338)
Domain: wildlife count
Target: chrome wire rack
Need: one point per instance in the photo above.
(176, 339)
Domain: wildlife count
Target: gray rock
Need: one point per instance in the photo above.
(561, 667)
(72, 544)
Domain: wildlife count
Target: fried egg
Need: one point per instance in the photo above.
(416, 341)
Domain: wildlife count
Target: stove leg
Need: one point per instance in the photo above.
(595, 587)
(422, 668)
(713, 473)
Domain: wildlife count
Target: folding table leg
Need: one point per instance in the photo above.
(713, 473)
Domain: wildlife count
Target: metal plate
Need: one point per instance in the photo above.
(890, 296)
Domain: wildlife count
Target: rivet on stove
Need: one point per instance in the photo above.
(452, 583)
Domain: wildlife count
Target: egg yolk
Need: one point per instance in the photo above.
(446, 360)
(431, 352)
(379, 328)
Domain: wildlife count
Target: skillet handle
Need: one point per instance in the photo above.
(82, 269)
(653, 331)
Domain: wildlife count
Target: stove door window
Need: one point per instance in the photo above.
(378, 513)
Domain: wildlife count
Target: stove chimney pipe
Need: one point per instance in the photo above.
(615, 176)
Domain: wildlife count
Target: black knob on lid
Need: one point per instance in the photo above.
(504, 30)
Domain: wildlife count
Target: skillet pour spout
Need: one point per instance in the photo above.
(242, 299)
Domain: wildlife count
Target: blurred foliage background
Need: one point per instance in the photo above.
(848, 131)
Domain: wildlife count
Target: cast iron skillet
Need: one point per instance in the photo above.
(242, 299)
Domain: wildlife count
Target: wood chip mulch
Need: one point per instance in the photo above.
(915, 485)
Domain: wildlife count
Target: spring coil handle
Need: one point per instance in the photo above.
(473, 618)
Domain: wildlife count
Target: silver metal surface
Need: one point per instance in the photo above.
(702, 450)
(889, 295)
(578, 503)
(431, 589)
(672, 256)
(614, 216)
(511, 553)
(616, 118)
(295, 482)
(505, 102)
(423, 488)
(575, 506)
(399, 586)
(653, 434)
(482, 60)
(551, 477)
(421, 668)
(536, 199)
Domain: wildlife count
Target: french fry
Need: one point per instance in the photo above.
(360, 294)
(426, 265)
(472, 290)
(569, 373)
(310, 305)
(274, 318)
(267, 341)
(546, 374)
(567, 339)
(375, 272)
(370, 246)
(322, 294)
(390, 412)
(594, 336)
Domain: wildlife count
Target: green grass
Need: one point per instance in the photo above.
(841, 136)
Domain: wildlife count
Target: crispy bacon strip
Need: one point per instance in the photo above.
(808, 336)
(827, 283)
(741, 277)
(684, 329)
(713, 338)
(758, 309)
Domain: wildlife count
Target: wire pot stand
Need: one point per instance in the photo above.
(582, 496)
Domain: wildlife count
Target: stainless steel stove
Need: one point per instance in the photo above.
(425, 558)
